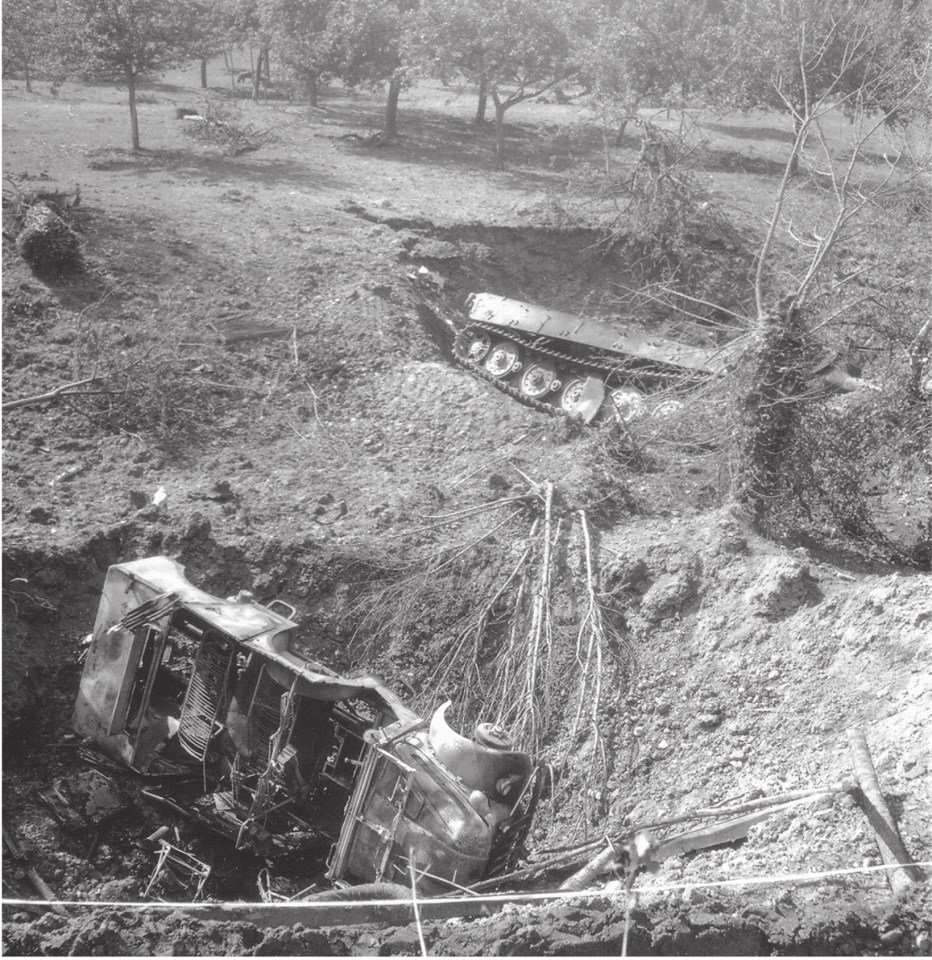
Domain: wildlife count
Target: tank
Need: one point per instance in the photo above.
(568, 365)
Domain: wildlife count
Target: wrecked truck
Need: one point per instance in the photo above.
(563, 364)
(208, 699)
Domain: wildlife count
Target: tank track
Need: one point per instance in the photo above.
(601, 364)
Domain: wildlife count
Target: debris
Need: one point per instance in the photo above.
(63, 390)
(88, 799)
(726, 832)
(47, 243)
(243, 329)
(276, 752)
(429, 277)
(179, 871)
(159, 497)
(68, 474)
(18, 855)
(878, 814)
(220, 492)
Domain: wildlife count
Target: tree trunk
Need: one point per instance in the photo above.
(203, 74)
(770, 413)
(133, 117)
(28, 77)
(312, 88)
(257, 75)
(500, 109)
(391, 108)
(621, 132)
(483, 100)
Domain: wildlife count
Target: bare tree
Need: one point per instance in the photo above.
(787, 286)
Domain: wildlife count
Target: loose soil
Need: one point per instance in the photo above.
(744, 661)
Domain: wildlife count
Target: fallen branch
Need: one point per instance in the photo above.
(18, 855)
(63, 390)
(711, 835)
(601, 863)
(718, 833)
(892, 851)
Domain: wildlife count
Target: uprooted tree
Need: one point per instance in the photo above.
(804, 284)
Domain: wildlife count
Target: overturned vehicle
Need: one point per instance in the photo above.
(207, 698)
(564, 364)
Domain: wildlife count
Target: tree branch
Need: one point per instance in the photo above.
(63, 390)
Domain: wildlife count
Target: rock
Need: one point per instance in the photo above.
(668, 594)
(732, 543)
(39, 514)
(781, 588)
(403, 942)
(625, 573)
(708, 721)
(429, 249)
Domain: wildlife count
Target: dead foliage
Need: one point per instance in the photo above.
(222, 125)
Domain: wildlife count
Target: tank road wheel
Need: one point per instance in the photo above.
(503, 358)
(628, 403)
(472, 346)
(571, 394)
(539, 379)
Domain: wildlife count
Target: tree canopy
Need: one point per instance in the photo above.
(127, 39)
(516, 48)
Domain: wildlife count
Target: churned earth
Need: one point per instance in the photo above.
(744, 662)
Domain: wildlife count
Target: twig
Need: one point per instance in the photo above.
(51, 395)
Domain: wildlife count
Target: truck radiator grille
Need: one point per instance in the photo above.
(207, 695)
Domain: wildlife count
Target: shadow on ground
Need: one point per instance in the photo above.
(212, 166)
